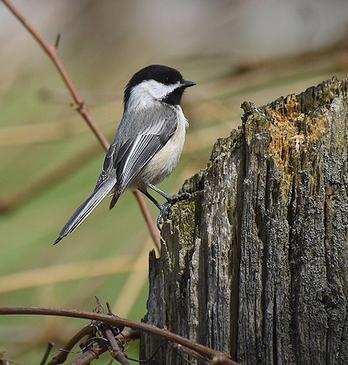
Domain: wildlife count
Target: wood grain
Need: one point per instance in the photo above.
(256, 263)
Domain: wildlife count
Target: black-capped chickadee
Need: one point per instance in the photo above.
(148, 141)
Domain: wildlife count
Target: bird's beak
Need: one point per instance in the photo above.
(187, 83)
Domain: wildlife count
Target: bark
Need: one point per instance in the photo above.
(256, 263)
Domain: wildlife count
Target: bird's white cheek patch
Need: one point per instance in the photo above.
(156, 89)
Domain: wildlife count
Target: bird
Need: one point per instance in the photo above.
(147, 144)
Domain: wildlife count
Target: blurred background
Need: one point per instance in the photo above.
(235, 50)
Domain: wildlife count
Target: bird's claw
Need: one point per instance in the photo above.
(164, 213)
(165, 208)
(179, 197)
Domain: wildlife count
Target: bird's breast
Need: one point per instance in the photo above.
(164, 161)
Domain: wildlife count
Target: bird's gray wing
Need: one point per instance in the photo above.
(151, 133)
(107, 164)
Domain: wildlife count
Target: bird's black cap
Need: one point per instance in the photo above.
(164, 74)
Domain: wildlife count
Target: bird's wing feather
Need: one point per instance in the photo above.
(138, 149)
(142, 149)
(140, 135)
(86, 208)
(108, 162)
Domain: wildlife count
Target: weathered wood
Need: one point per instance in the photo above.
(256, 263)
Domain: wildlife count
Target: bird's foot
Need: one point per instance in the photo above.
(165, 208)
(179, 197)
(164, 213)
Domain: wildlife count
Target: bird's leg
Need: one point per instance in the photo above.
(161, 207)
(159, 191)
(171, 200)
(148, 195)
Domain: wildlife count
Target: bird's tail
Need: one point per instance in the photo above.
(86, 208)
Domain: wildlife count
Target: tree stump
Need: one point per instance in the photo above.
(256, 263)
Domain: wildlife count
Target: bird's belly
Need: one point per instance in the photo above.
(164, 161)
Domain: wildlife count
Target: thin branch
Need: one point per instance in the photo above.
(115, 349)
(47, 353)
(64, 352)
(91, 354)
(192, 353)
(51, 52)
(88, 356)
(150, 224)
(80, 106)
(121, 322)
(56, 44)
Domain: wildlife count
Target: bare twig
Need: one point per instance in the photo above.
(88, 356)
(128, 334)
(91, 354)
(192, 353)
(115, 349)
(80, 106)
(121, 322)
(147, 216)
(56, 44)
(47, 353)
(52, 53)
(64, 352)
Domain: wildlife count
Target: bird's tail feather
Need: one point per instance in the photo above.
(86, 208)
(114, 199)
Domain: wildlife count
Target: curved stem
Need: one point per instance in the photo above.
(117, 321)
(80, 105)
